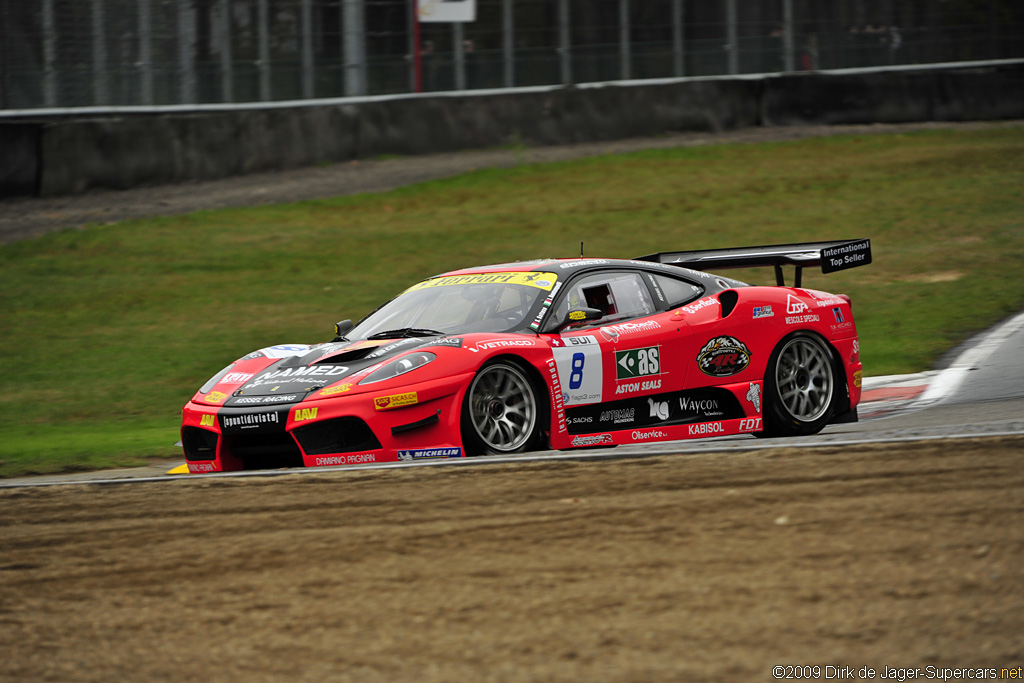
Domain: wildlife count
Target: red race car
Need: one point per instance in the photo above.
(556, 353)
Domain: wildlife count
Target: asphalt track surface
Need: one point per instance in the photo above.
(980, 394)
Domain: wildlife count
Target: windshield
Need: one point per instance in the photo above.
(459, 304)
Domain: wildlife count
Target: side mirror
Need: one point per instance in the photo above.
(341, 329)
(580, 315)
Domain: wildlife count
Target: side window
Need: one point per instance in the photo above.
(619, 296)
(677, 292)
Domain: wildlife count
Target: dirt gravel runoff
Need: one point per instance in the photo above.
(671, 568)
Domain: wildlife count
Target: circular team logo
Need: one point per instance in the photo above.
(723, 357)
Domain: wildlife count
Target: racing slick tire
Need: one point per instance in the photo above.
(800, 387)
(502, 411)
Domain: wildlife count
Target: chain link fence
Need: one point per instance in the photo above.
(115, 53)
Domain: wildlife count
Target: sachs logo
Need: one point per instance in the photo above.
(723, 357)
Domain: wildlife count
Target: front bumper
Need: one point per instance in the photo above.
(410, 422)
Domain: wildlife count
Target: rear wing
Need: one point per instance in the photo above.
(831, 256)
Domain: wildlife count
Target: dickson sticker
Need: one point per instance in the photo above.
(723, 356)
(215, 397)
(395, 401)
(543, 281)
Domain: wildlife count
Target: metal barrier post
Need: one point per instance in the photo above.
(508, 31)
(565, 53)
(625, 55)
(354, 47)
(678, 55)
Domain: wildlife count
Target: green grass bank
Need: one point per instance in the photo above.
(106, 331)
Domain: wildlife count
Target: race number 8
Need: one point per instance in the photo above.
(576, 377)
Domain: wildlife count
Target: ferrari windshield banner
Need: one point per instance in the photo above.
(447, 10)
(544, 281)
(843, 256)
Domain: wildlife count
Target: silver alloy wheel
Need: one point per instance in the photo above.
(502, 407)
(803, 376)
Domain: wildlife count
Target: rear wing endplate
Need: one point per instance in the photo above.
(830, 256)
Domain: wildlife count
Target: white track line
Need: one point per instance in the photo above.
(950, 379)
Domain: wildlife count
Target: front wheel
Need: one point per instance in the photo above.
(500, 413)
(800, 387)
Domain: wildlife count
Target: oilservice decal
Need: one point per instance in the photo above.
(543, 281)
(723, 356)
(579, 369)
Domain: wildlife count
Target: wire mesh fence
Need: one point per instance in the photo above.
(106, 53)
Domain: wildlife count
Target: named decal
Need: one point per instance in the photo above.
(236, 377)
(396, 401)
(215, 397)
(858, 378)
(637, 363)
(723, 356)
(423, 453)
(303, 414)
(763, 312)
(207, 421)
(298, 374)
(801, 319)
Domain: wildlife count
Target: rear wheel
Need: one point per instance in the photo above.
(800, 387)
(501, 412)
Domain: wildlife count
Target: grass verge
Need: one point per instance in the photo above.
(106, 331)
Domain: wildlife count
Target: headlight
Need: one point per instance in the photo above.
(399, 366)
(212, 382)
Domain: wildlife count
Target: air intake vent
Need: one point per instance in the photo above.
(341, 435)
(199, 444)
(264, 451)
